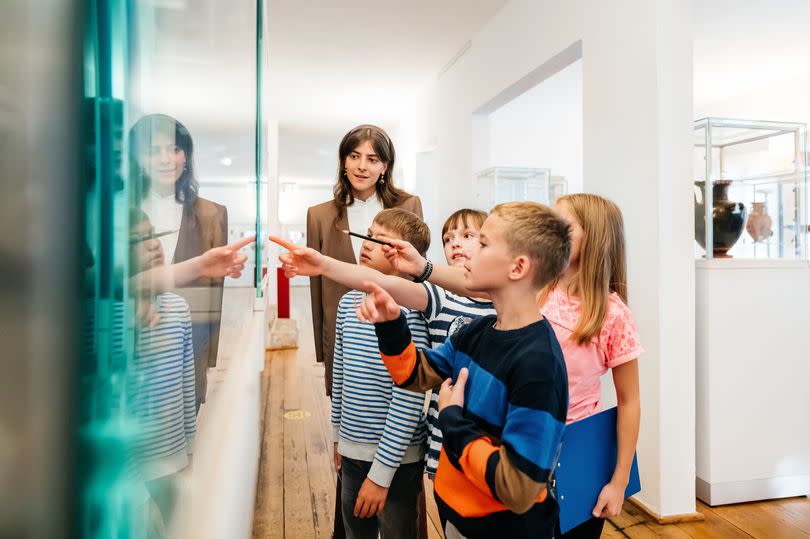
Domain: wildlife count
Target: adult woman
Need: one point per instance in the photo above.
(363, 189)
(162, 152)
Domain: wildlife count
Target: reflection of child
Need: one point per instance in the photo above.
(164, 400)
(378, 429)
(163, 388)
(502, 434)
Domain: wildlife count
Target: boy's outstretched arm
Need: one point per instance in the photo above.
(309, 262)
(406, 259)
(409, 367)
(514, 472)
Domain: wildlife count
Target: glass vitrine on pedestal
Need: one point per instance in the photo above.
(752, 287)
(497, 185)
(750, 181)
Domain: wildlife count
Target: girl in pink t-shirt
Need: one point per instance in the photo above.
(586, 307)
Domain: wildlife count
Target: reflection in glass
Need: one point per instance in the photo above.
(163, 151)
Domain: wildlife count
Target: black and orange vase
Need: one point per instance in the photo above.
(728, 219)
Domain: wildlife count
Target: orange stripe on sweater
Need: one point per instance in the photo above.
(474, 462)
(460, 493)
(470, 496)
(401, 366)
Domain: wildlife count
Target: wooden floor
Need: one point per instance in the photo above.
(296, 488)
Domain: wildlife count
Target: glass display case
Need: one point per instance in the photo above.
(750, 186)
(496, 185)
(168, 178)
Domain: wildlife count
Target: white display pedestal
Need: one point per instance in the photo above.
(753, 379)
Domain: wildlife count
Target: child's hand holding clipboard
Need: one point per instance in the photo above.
(586, 464)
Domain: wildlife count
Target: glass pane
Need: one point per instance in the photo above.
(171, 157)
(506, 184)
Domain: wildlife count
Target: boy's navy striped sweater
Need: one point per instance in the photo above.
(373, 420)
(501, 447)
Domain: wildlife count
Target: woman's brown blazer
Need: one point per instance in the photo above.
(324, 235)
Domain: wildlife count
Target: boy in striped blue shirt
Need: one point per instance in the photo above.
(378, 428)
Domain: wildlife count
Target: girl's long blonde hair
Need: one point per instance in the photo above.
(602, 262)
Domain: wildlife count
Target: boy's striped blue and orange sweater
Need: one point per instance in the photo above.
(501, 448)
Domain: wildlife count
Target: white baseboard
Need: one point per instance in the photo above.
(752, 490)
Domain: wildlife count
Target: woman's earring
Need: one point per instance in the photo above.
(382, 179)
(185, 167)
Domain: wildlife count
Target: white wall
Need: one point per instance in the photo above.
(307, 163)
(308, 155)
(542, 128)
(637, 132)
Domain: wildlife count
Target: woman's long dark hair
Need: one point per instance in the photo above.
(389, 195)
(140, 140)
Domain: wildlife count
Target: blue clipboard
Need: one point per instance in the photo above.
(586, 464)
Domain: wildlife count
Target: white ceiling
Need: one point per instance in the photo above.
(334, 64)
(746, 45)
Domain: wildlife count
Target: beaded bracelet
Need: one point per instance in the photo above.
(425, 273)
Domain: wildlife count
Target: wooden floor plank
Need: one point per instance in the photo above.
(269, 511)
(631, 517)
(761, 520)
(322, 407)
(794, 511)
(636, 524)
(298, 510)
(610, 531)
(668, 531)
(319, 459)
(714, 526)
(434, 522)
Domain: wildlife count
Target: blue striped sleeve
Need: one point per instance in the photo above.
(402, 421)
(419, 330)
(189, 384)
(404, 416)
(434, 300)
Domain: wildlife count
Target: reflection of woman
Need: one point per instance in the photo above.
(363, 189)
(163, 150)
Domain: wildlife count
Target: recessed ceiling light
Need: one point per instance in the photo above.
(226, 161)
